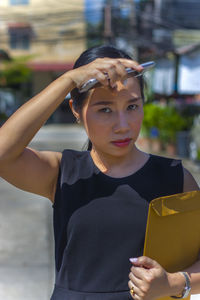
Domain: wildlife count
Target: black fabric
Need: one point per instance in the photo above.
(100, 221)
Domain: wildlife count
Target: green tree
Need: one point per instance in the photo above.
(94, 34)
(166, 120)
(14, 73)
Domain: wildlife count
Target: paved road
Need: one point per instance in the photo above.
(26, 267)
(26, 238)
(59, 137)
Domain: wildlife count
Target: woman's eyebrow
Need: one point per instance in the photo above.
(102, 103)
(134, 99)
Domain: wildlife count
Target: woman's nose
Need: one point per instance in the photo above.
(121, 123)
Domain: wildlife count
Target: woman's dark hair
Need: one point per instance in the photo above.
(88, 56)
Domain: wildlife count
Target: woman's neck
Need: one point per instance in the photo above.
(119, 166)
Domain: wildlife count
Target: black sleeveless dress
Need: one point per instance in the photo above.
(100, 221)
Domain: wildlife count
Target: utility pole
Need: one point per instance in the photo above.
(108, 34)
(157, 10)
(133, 28)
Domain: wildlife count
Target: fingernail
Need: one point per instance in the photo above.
(133, 260)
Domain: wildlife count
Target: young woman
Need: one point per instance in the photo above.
(101, 196)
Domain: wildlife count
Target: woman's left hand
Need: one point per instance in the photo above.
(148, 279)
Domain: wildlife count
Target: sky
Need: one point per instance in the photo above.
(93, 10)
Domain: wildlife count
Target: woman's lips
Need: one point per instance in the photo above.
(122, 143)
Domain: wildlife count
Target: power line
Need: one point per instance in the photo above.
(66, 17)
(74, 14)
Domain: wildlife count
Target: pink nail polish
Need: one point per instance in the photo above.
(133, 260)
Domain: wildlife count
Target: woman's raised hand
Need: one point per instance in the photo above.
(103, 69)
(148, 280)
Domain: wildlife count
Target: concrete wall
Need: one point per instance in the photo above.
(58, 28)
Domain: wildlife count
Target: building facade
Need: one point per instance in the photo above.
(51, 32)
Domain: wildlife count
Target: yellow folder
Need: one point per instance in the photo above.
(173, 231)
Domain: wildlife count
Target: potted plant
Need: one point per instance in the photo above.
(149, 138)
(15, 78)
(161, 124)
(171, 123)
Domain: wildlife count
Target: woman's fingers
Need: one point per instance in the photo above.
(141, 286)
(135, 292)
(135, 280)
(116, 72)
(145, 262)
(149, 278)
(106, 70)
(116, 69)
(129, 63)
(132, 289)
(102, 77)
(140, 272)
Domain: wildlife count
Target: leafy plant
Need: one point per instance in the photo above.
(15, 72)
(171, 123)
(166, 119)
(152, 117)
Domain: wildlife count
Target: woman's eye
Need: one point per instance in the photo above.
(105, 110)
(132, 107)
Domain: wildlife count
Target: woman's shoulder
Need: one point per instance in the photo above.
(165, 160)
(165, 174)
(175, 168)
(75, 165)
(75, 153)
(74, 156)
(190, 183)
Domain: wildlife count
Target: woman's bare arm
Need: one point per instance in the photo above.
(26, 168)
(189, 182)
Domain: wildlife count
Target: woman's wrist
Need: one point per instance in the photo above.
(69, 76)
(64, 83)
(176, 283)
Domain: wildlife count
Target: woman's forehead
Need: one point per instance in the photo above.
(126, 89)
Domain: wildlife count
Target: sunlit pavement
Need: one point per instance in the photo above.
(25, 245)
(26, 236)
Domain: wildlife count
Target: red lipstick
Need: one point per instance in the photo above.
(122, 143)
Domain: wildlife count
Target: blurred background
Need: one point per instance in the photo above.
(39, 41)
